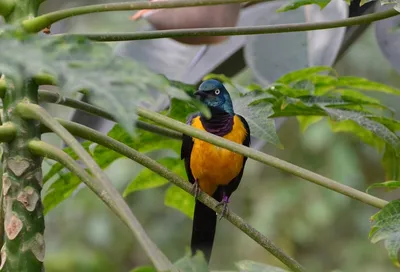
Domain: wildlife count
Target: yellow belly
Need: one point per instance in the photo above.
(212, 165)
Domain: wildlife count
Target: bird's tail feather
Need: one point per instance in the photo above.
(204, 225)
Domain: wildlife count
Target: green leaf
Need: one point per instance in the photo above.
(257, 115)
(251, 266)
(144, 269)
(305, 74)
(387, 228)
(142, 141)
(364, 134)
(389, 185)
(359, 83)
(179, 199)
(376, 128)
(148, 179)
(77, 64)
(60, 190)
(196, 263)
(299, 3)
(391, 164)
(180, 110)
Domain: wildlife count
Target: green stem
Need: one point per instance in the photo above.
(6, 7)
(40, 22)
(263, 158)
(24, 246)
(7, 132)
(101, 139)
(53, 97)
(234, 31)
(103, 187)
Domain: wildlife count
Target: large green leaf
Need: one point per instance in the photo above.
(60, 190)
(387, 227)
(299, 3)
(148, 179)
(178, 199)
(391, 164)
(111, 82)
(144, 269)
(257, 115)
(251, 266)
(142, 141)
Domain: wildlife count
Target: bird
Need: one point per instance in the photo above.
(211, 169)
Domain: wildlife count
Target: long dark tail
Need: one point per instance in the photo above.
(204, 224)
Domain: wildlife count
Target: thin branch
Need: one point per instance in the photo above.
(53, 97)
(102, 185)
(263, 158)
(36, 24)
(7, 132)
(101, 139)
(234, 31)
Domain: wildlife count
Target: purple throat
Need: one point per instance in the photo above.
(221, 123)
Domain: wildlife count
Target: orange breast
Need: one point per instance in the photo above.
(212, 165)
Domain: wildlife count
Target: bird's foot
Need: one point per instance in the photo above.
(196, 188)
(224, 202)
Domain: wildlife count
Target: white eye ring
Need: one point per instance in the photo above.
(217, 91)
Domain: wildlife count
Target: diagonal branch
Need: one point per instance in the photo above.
(101, 139)
(102, 185)
(234, 31)
(40, 22)
(263, 158)
(56, 98)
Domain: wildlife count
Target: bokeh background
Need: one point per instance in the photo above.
(325, 231)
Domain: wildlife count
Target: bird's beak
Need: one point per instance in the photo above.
(200, 94)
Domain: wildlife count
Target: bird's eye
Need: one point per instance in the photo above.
(217, 91)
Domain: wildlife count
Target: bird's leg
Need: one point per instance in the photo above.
(224, 202)
(196, 188)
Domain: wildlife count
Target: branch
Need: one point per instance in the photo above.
(36, 24)
(56, 98)
(263, 158)
(235, 31)
(101, 139)
(101, 185)
(7, 132)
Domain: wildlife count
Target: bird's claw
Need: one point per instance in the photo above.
(224, 202)
(196, 189)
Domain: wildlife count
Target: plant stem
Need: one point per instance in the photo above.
(40, 22)
(7, 132)
(103, 186)
(234, 31)
(101, 139)
(53, 97)
(24, 246)
(263, 158)
(6, 7)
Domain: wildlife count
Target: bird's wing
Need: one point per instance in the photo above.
(186, 150)
(233, 185)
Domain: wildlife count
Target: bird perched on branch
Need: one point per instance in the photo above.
(214, 170)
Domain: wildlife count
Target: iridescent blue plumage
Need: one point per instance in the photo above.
(214, 94)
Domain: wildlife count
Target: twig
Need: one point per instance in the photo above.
(263, 158)
(235, 31)
(101, 139)
(36, 24)
(103, 186)
(53, 97)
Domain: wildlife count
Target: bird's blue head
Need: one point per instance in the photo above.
(214, 95)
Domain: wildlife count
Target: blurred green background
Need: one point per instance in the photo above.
(323, 230)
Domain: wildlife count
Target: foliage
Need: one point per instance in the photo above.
(387, 228)
(77, 64)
